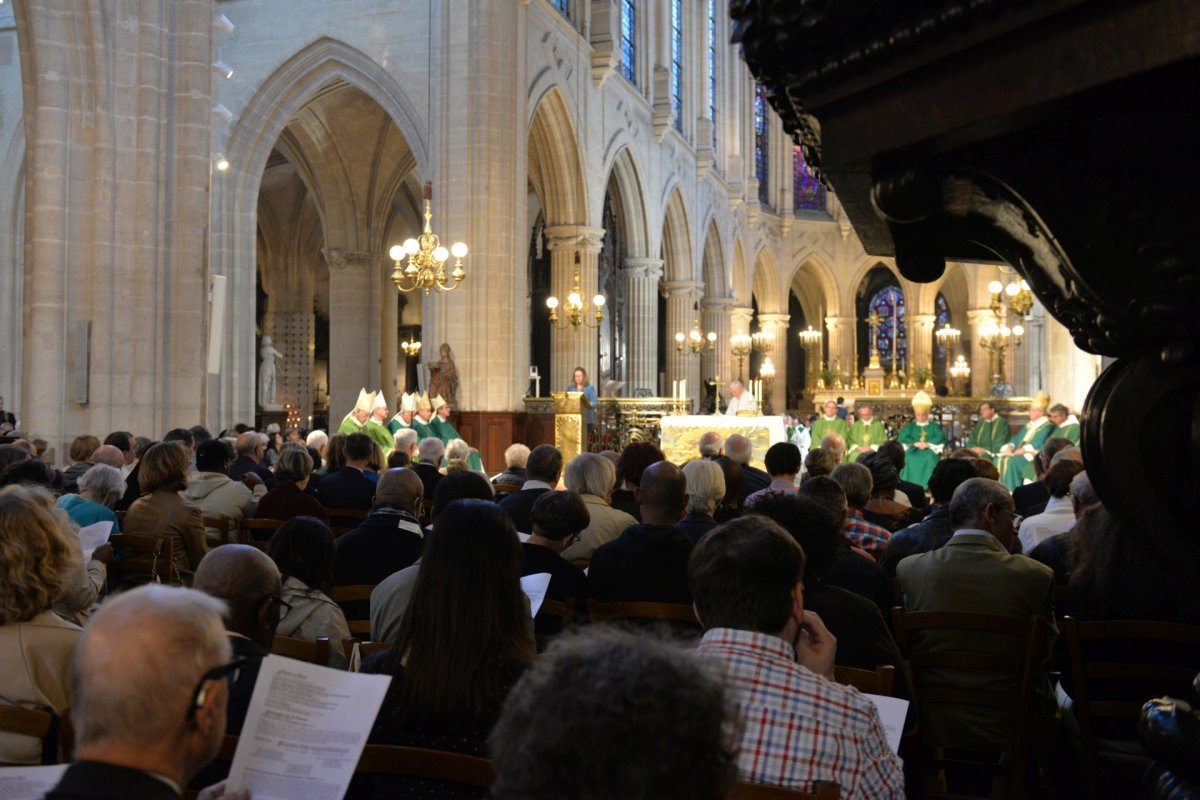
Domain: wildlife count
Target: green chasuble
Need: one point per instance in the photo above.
(424, 430)
(1017, 469)
(395, 424)
(822, 427)
(350, 425)
(863, 435)
(443, 429)
(919, 462)
(1068, 430)
(990, 434)
(380, 436)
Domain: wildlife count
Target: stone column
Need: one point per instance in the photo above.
(353, 334)
(920, 342)
(642, 276)
(778, 325)
(741, 318)
(117, 119)
(570, 346)
(682, 297)
(840, 333)
(389, 338)
(981, 361)
(718, 318)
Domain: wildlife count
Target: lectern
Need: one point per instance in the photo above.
(570, 418)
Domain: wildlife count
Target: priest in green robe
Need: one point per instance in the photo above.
(865, 435)
(358, 416)
(829, 422)
(421, 422)
(375, 426)
(404, 417)
(445, 430)
(1015, 460)
(923, 442)
(1066, 425)
(989, 434)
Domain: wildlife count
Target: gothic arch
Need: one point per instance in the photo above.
(812, 269)
(678, 262)
(713, 263)
(627, 176)
(741, 278)
(765, 285)
(12, 268)
(554, 164)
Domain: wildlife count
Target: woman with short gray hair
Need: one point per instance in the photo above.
(593, 477)
(706, 489)
(287, 497)
(99, 489)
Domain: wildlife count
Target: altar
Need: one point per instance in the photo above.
(679, 437)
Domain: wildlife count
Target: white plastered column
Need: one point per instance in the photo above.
(642, 277)
(718, 318)
(570, 346)
(682, 297)
(777, 324)
(354, 304)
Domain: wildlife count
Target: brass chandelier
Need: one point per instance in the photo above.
(426, 267)
(576, 309)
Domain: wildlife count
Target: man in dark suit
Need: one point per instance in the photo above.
(648, 561)
(348, 487)
(147, 719)
(430, 451)
(543, 470)
(251, 457)
(933, 531)
(738, 450)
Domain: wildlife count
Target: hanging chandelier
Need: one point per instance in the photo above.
(695, 340)
(946, 335)
(576, 311)
(411, 347)
(426, 267)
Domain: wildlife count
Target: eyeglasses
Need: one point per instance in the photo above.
(1017, 519)
(200, 693)
(284, 606)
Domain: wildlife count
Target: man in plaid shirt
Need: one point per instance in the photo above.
(798, 726)
(856, 480)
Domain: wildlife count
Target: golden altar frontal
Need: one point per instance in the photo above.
(680, 435)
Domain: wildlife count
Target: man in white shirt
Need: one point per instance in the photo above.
(740, 399)
(1059, 516)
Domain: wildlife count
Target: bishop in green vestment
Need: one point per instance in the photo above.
(1015, 460)
(374, 426)
(358, 416)
(830, 422)
(1066, 425)
(989, 434)
(404, 417)
(420, 422)
(445, 430)
(923, 442)
(865, 435)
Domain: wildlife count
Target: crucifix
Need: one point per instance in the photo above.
(874, 325)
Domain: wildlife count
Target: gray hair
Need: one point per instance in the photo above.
(972, 497)
(710, 444)
(317, 439)
(138, 660)
(738, 449)
(1067, 454)
(294, 464)
(458, 449)
(705, 486)
(590, 473)
(1082, 490)
(517, 455)
(835, 444)
(431, 450)
(102, 481)
(856, 481)
(405, 438)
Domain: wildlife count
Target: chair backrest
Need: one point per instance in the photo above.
(37, 723)
(505, 488)
(346, 516)
(357, 595)
(673, 612)
(139, 559)
(366, 649)
(877, 681)
(822, 790)
(426, 511)
(217, 529)
(419, 762)
(563, 611)
(302, 650)
(257, 530)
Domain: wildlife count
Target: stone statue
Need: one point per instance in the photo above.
(266, 375)
(443, 377)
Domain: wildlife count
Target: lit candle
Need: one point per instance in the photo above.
(683, 389)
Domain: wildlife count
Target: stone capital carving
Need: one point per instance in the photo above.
(717, 304)
(562, 237)
(644, 268)
(774, 319)
(682, 288)
(338, 259)
(978, 316)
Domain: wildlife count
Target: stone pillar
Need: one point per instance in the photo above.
(353, 334)
(981, 361)
(572, 347)
(642, 276)
(778, 325)
(920, 343)
(741, 318)
(389, 338)
(117, 121)
(682, 297)
(718, 318)
(840, 334)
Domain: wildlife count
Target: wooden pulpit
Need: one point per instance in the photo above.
(570, 423)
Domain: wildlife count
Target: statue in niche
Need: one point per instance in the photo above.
(266, 375)
(443, 377)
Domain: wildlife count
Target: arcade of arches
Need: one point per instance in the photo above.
(138, 276)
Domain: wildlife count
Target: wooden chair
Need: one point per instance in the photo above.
(303, 650)
(358, 593)
(501, 489)
(366, 649)
(563, 611)
(35, 722)
(670, 612)
(343, 516)
(822, 790)
(139, 560)
(419, 762)
(1021, 664)
(426, 511)
(217, 530)
(878, 681)
(251, 531)
(1123, 659)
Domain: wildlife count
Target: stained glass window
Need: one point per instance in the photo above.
(888, 305)
(712, 67)
(807, 192)
(561, 5)
(629, 40)
(677, 62)
(760, 142)
(941, 356)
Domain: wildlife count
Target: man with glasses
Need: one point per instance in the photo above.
(149, 681)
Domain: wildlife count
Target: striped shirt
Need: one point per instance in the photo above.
(798, 728)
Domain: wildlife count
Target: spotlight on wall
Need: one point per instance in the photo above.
(224, 113)
(221, 68)
(221, 21)
(221, 162)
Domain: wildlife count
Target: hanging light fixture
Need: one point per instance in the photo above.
(695, 340)
(411, 348)
(576, 310)
(426, 268)
(947, 336)
(763, 341)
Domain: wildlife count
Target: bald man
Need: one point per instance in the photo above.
(389, 539)
(107, 454)
(710, 445)
(150, 695)
(648, 561)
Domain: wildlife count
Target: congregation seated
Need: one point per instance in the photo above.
(162, 511)
(35, 644)
(430, 452)
(287, 499)
(1059, 514)
(214, 492)
(459, 455)
(835, 445)
(663, 716)
(558, 518)
(935, 530)
(884, 507)
(1031, 498)
(739, 450)
(593, 477)
(730, 505)
(906, 491)
(819, 463)
(648, 561)
(799, 726)
(347, 486)
(783, 465)
(303, 550)
(543, 468)
(99, 489)
(855, 480)
(461, 645)
(318, 440)
(389, 539)
(705, 490)
(80, 453)
(251, 448)
(630, 465)
(515, 458)
(1059, 552)
(404, 449)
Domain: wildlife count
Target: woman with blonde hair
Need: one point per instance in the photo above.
(162, 511)
(35, 645)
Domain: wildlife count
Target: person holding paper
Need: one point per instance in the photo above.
(800, 726)
(558, 518)
(580, 383)
(150, 713)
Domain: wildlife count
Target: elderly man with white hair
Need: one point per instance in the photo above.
(593, 477)
(150, 692)
(515, 459)
(740, 399)
(706, 489)
(406, 440)
(710, 445)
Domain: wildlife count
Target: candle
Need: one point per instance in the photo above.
(674, 390)
(683, 389)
